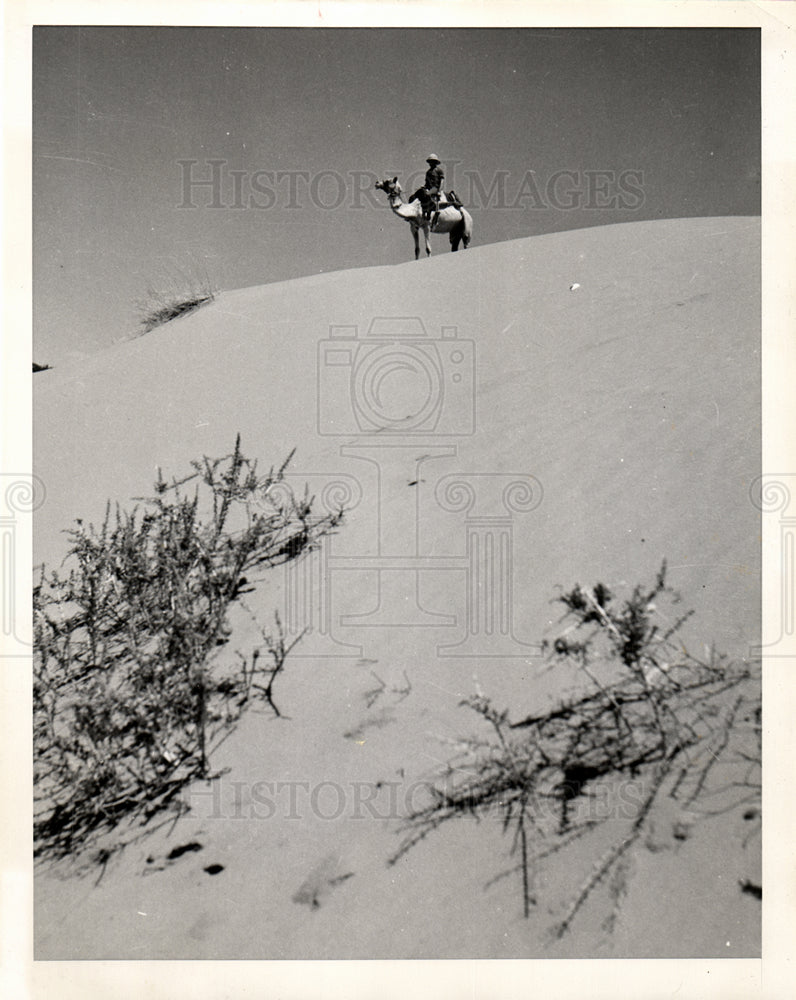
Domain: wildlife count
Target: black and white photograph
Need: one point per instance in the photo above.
(397, 496)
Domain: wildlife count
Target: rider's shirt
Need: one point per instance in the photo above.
(434, 178)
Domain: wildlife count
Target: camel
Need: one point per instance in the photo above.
(450, 219)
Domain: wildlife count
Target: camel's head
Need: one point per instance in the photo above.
(390, 187)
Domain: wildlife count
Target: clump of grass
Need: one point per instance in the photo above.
(646, 712)
(130, 693)
(177, 297)
(40, 368)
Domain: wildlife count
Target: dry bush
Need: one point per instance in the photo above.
(175, 297)
(130, 696)
(646, 712)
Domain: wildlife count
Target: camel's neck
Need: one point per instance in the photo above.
(400, 208)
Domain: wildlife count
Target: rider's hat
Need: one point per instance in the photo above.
(433, 159)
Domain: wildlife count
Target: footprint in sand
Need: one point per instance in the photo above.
(324, 877)
(377, 720)
(384, 716)
(161, 864)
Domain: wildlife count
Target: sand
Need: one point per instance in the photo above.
(614, 374)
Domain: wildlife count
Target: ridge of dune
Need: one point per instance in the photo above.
(616, 371)
(557, 243)
(178, 370)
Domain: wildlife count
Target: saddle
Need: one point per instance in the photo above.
(450, 200)
(443, 201)
(453, 201)
(433, 206)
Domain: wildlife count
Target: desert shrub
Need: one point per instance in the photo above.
(646, 711)
(130, 694)
(175, 297)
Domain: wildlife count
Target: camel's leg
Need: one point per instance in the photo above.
(416, 236)
(428, 245)
(455, 237)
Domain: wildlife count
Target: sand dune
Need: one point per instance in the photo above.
(597, 392)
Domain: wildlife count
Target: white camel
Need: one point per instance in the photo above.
(450, 219)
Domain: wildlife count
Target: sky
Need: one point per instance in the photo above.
(539, 130)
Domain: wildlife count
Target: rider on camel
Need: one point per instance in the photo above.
(432, 186)
(431, 192)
